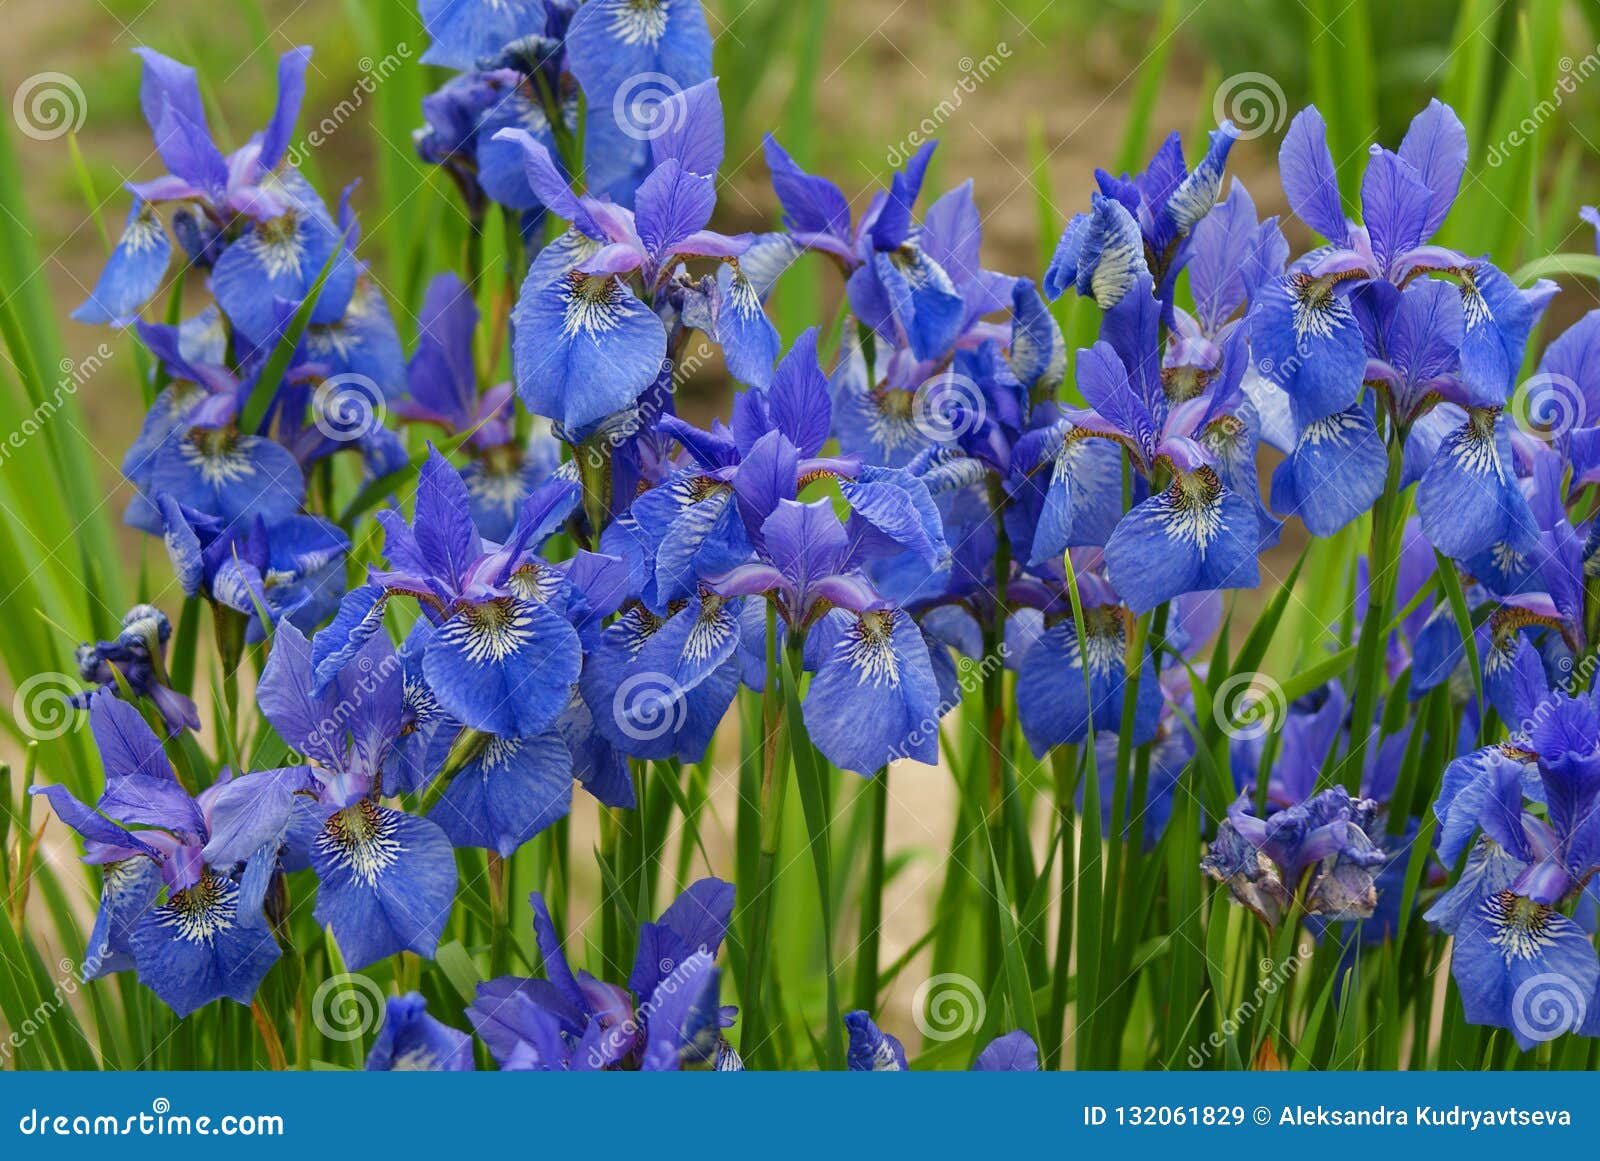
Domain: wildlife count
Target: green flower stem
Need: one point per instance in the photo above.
(867, 947)
(775, 777)
(500, 914)
(1387, 516)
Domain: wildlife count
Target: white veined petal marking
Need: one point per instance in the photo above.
(1521, 926)
(712, 626)
(535, 582)
(1104, 640)
(219, 456)
(202, 912)
(636, 22)
(893, 423)
(591, 305)
(743, 298)
(868, 644)
(490, 631)
(1473, 446)
(143, 233)
(1317, 310)
(1192, 508)
(277, 246)
(1474, 307)
(1333, 429)
(361, 839)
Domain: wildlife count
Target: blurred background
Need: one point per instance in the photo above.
(1027, 96)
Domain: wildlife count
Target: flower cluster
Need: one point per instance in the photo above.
(575, 583)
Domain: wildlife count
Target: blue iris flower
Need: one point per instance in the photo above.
(1196, 533)
(411, 1040)
(666, 1019)
(873, 1050)
(1319, 852)
(137, 655)
(387, 879)
(502, 658)
(586, 344)
(1519, 961)
(209, 938)
(1139, 226)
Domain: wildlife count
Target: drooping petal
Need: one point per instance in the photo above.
(199, 946)
(1053, 698)
(1469, 499)
(585, 347)
(510, 791)
(387, 882)
(134, 272)
(504, 665)
(1194, 536)
(1335, 472)
(873, 697)
(1305, 339)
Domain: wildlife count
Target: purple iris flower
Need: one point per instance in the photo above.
(587, 345)
(667, 1018)
(210, 937)
(412, 1040)
(1194, 534)
(387, 879)
(138, 656)
(1519, 962)
(873, 1050)
(1319, 851)
(1139, 225)
(503, 656)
